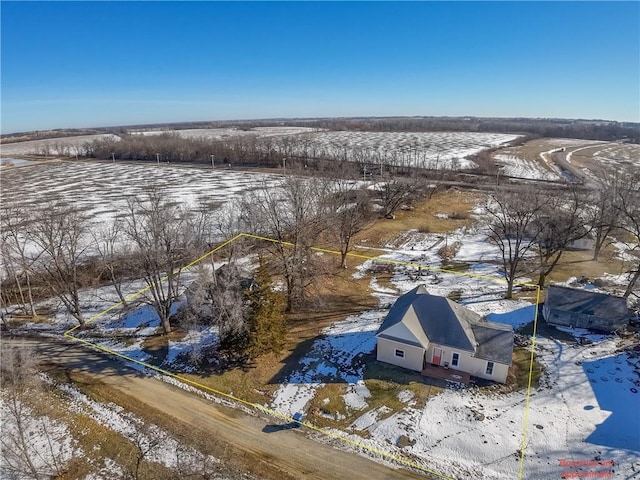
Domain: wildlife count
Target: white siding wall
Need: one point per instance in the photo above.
(469, 364)
(412, 359)
(478, 367)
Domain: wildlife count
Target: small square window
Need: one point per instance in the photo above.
(455, 358)
(489, 370)
(400, 353)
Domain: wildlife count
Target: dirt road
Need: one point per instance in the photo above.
(286, 453)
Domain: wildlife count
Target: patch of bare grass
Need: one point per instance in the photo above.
(385, 382)
(448, 202)
(581, 264)
(327, 408)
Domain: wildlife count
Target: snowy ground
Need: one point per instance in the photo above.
(517, 167)
(65, 146)
(584, 409)
(47, 442)
(50, 442)
(535, 159)
(13, 162)
(103, 188)
(620, 157)
(226, 133)
(332, 359)
(449, 150)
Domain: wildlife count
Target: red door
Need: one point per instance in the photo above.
(437, 356)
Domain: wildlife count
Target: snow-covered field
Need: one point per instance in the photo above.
(13, 162)
(226, 133)
(520, 168)
(433, 150)
(535, 159)
(102, 189)
(618, 156)
(448, 150)
(65, 146)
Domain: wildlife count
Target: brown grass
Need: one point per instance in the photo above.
(96, 441)
(452, 202)
(580, 263)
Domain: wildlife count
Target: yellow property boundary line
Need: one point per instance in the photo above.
(408, 463)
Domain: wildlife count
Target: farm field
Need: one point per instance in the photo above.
(102, 188)
(618, 156)
(538, 159)
(64, 147)
(437, 150)
(226, 133)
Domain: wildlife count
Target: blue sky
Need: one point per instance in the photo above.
(82, 64)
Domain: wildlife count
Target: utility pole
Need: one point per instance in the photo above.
(113, 157)
(212, 163)
(284, 165)
(158, 158)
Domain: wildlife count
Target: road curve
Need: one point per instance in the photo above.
(286, 453)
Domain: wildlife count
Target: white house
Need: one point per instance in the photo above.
(423, 329)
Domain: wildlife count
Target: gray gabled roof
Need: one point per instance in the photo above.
(447, 323)
(575, 300)
(495, 341)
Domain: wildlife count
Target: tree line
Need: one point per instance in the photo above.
(546, 224)
(56, 250)
(603, 130)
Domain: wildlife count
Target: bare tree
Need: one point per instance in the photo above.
(224, 292)
(112, 254)
(628, 205)
(159, 229)
(511, 215)
(61, 233)
(296, 215)
(352, 207)
(146, 439)
(557, 224)
(22, 457)
(16, 260)
(604, 209)
(394, 193)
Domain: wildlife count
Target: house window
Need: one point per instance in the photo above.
(400, 353)
(489, 370)
(455, 358)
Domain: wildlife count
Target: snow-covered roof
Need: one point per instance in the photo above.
(418, 317)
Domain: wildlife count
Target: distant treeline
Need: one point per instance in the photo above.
(249, 151)
(45, 134)
(603, 130)
(555, 128)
